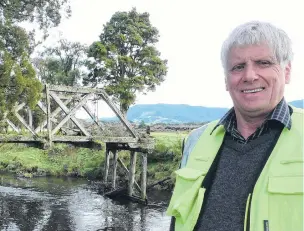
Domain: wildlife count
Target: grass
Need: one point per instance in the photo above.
(169, 136)
(84, 162)
(166, 157)
(62, 160)
(168, 146)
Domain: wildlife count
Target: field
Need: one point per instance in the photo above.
(170, 136)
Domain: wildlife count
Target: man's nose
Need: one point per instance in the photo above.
(250, 73)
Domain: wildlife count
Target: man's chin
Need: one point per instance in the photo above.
(256, 109)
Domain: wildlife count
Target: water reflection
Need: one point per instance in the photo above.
(50, 204)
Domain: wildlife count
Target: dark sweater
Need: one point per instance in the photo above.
(238, 168)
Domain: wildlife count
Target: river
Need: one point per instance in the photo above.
(55, 204)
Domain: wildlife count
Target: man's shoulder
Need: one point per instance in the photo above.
(297, 109)
(297, 115)
(190, 142)
(196, 133)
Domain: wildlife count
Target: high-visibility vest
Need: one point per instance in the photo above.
(276, 203)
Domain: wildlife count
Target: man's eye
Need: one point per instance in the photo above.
(264, 63)
(238, 67)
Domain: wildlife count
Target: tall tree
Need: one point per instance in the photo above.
(47, 13)
(125, 60)
(18, 80)
(61, 64)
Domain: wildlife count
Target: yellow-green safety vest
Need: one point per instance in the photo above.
(276, 203)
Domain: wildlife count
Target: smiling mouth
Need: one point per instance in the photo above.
(255, 90)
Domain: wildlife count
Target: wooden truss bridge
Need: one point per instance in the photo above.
(59, 105)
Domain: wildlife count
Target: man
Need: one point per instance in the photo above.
(245, 171)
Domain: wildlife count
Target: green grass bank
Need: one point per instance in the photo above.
(67, 160)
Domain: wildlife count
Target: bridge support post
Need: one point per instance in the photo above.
(115, 156)
(144, 164)
(106, 168)
(48, 110)
(132, 173)
(30, 117)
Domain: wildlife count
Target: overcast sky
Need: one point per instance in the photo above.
(191, 35)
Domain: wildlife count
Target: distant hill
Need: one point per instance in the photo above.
(178, 113)
(174, 113)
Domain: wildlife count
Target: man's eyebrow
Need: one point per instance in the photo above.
(271, 58)
(242, 61)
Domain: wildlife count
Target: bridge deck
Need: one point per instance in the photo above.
(145, 143)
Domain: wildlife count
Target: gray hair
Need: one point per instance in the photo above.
(254, 33)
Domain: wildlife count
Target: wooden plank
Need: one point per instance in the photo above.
(132, 173)
(65, 97)
(158, 182)
(112, 140)
(127, 171)
(143, 182)
(53, 115)
(19, 107)
(116, 192)
(13, 126)
(42, 107)
(107, 165)
(122, 192)
(94, 118)
(30, 118)
(119, 115)
(80, 90)
(72, 139)
(76, 90)
(25, 124)
(48, 110)
(144, 145)
(115, 156)
(123, 140)
(61, 96)
(131, 142)
(76, 139)
(19, 138)
(70, 113)
(54, 138)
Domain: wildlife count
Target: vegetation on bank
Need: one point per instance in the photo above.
(67, 160)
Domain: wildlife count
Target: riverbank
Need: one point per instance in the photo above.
(67, 160)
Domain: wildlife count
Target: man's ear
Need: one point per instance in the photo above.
(287, 71)
(226, 84)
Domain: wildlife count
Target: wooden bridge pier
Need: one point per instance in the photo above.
(133, 186)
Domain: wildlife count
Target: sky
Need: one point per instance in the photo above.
(191, 36)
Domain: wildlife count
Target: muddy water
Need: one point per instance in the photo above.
(51, 204)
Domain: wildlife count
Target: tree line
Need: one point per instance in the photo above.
(124, 61)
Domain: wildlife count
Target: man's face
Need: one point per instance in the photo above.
(255, 80)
